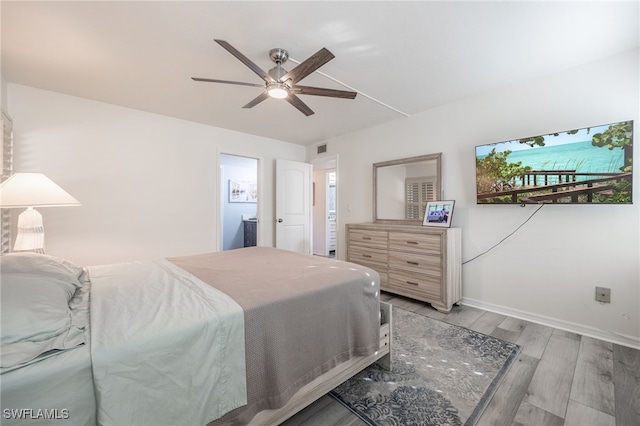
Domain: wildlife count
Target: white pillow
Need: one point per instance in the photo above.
(35, 316)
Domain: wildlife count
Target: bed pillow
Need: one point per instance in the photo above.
(35, 315)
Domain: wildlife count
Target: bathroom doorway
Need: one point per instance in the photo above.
(325, 211)
(238, 201)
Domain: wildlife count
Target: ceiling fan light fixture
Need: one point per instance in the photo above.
(278, 90)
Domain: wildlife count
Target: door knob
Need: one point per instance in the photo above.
(279, 220)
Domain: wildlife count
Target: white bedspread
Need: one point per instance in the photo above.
(167, 349)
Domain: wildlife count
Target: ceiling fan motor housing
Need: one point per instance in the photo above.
(277, 72)
(279, 56)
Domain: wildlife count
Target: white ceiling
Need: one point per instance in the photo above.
(411, 56)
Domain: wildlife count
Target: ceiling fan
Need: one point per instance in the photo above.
(282, 84)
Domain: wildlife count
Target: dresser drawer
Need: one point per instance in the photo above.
(369, 238)
(424, 243)
(416, 262)
(374, 259)
(415, 284)
(359, 254)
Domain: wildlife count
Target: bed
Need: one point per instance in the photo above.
(248, 336)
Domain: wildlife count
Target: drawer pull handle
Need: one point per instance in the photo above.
(412, 242)
(366, 238)
(412, 283)
(366, 255)
(412, 263)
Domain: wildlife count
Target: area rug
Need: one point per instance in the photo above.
(442, 374)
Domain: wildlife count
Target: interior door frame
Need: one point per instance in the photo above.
(315, 164)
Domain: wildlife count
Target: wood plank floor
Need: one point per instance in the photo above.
(559, 379)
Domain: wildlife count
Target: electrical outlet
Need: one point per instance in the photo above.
(603, 294)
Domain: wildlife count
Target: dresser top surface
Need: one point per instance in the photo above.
(398, 227)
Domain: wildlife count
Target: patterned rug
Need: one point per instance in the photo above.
(441, 374)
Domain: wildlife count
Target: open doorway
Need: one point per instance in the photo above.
(325, 189)
(238, 201)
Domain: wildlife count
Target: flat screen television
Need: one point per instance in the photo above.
(592, 165)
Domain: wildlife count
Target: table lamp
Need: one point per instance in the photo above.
(32, 190)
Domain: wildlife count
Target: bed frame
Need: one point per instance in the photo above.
(329, 380)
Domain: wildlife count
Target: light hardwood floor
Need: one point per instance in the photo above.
(560, 378)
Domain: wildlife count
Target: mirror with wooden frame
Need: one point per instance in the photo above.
(402, 188)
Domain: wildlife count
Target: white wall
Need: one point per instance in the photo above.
(148, 184)
(547, 272)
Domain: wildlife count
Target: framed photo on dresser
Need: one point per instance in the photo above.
(438, 213)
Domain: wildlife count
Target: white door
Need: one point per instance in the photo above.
(293, 206)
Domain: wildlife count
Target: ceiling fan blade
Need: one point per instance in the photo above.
(318, 91)
(305, 68)
(261, 97)
(297, 102)
(264, 75)
(239, 83)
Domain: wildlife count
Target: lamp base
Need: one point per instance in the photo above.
(30, 232)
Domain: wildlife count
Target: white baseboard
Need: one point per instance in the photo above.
(596, 333)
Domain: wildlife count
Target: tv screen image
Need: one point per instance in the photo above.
(590, 165)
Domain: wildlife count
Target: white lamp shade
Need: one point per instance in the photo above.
(33, 190)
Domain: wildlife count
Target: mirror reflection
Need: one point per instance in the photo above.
(403, 187)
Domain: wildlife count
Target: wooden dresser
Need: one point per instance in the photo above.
(420, 262)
